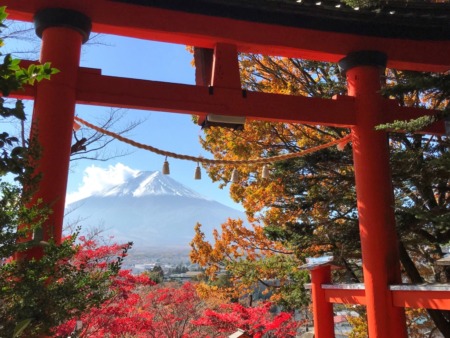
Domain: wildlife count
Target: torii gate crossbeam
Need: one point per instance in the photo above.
(152, 23)
(65, 24)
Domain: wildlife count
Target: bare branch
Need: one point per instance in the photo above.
(93, 145)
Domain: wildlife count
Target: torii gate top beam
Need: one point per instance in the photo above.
(56, 100)
(146, 20)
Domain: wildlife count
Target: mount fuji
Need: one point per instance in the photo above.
(152, 210)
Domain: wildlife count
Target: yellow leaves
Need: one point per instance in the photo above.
(417, 321)
(280, 216)
(201, 250)
(277, 203)
(214, 295)
(359, 324)
(232, 246)
(258, 196)
(276, 298)
(190, 49)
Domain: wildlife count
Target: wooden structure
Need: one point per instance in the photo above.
(364, 42)
(239, 334)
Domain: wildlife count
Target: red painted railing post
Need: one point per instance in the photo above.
(374, 191)
(62, 32)
(322, 309)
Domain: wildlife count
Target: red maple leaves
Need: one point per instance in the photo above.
(255, 321)
(139, 308)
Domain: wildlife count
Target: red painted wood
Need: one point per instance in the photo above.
(53, 120)
(203, 59)
(322, 309)
(205, 31)
(439, 300)
(94, 88)
(345, 296)
(152, 95)
(225, 69)
(55, 102)
(380, 257)
(430, 299)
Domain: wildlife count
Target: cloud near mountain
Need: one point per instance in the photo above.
(146, 207)
(96, 181)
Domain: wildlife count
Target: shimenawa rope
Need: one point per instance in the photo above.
(265, 160)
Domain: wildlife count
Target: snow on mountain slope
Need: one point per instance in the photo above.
(151, 183)
(152, 210)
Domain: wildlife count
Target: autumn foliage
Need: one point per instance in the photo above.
(308, 205)
(302, 209)
(255, 321)
(137, 307)
(118, 315)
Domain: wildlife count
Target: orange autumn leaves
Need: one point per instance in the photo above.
(247, 252)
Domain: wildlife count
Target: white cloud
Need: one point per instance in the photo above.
(98, 180)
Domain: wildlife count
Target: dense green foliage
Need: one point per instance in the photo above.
(48, 291)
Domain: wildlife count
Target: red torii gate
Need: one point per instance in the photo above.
(65, 25)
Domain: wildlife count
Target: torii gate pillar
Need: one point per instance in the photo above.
(374, 191)
(63, 32)
(322, 310)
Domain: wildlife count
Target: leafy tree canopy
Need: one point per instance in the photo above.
(308, 206)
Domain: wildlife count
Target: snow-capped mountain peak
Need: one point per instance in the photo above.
(146, 183)
(148, 208)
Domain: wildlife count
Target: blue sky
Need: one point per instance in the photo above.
(142, 59)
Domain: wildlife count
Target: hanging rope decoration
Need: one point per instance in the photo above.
(341, 143)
